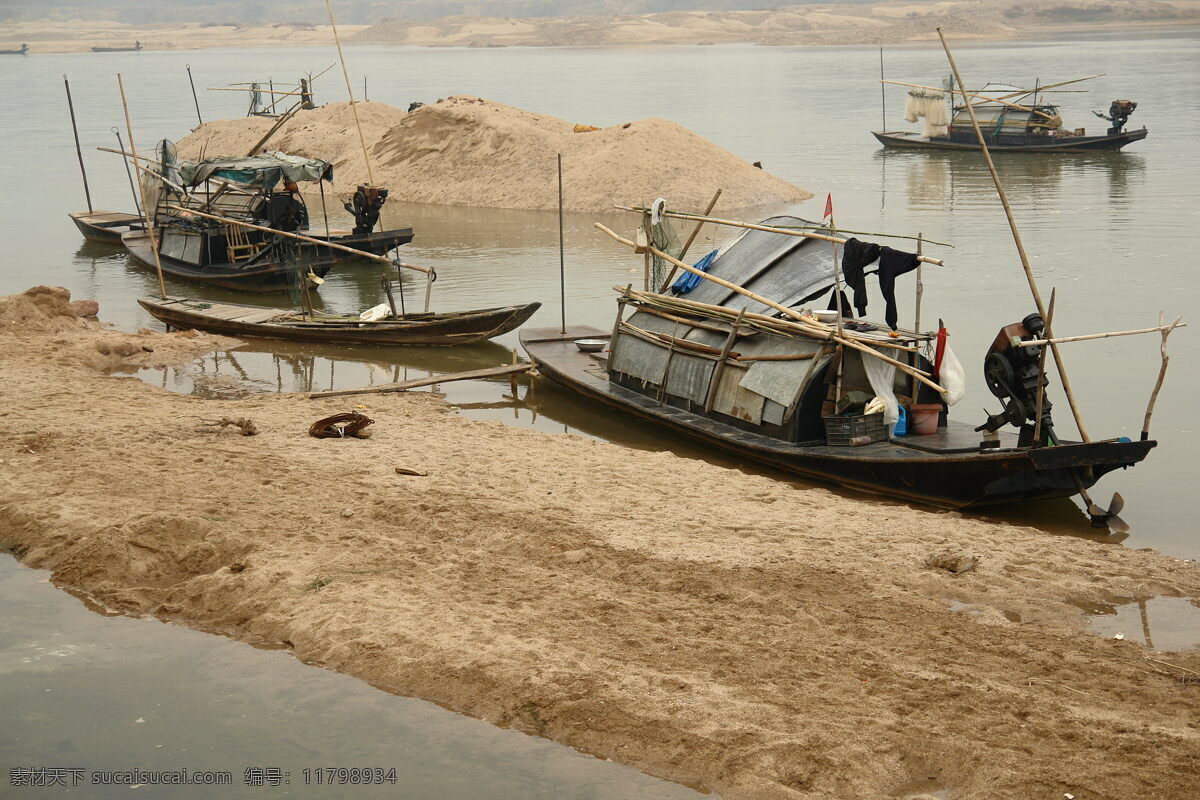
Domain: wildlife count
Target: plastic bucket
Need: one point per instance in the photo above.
(923, 418)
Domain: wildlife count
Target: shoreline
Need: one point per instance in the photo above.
(764, 642)
(78, 36)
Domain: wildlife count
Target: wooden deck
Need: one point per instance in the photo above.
(231, 312)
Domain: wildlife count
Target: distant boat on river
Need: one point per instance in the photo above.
(1005, 122)
(136, 47)
(22, 50)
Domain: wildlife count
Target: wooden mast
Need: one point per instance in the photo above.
(147, 213)
(1016, 234)
(78, 150)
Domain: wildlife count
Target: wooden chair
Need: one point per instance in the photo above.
(238, 246)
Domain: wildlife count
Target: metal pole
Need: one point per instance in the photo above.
(882, 95)
(562, 258)
(162, 288)
(364, 88)
(195, 99)
(128, 173)
(78, 151)
(917, 310)
(1012, 224)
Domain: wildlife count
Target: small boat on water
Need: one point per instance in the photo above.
(137, 46)
(20, 51)
(105, 227)
(246, 321)
(1012, 119)
(764, 378)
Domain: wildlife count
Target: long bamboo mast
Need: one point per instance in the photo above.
(146, 211)
(733, 223)
(1016, 234)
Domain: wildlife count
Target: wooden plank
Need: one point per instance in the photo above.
(490, 372)
(573, 332)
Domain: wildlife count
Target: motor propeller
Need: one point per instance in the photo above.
(1107, 518)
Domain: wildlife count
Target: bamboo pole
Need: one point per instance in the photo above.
(136, 158)
(984, 98)
(279, 123)
(1016, 234)
(286, 234)
(195, 99)
(811, 329)
(719, 370)
(260, 91)
(767, 228)
(1162, 374)
(814, 331)
(562, 252)
(1090, 336)
(353, 106)
(137, 206)
(917, 309)
(1041, 389)
(162, 287)
(78, 150)
(428, 286)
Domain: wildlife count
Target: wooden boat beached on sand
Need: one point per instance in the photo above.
(763, 378)
(246, 321)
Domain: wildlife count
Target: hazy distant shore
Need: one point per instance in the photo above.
(880, 23)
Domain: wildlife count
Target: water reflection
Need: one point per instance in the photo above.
(1159, 623)
(949, 181)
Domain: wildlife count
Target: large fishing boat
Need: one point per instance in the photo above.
(750, 362)
(262, 190)
(1011, 118)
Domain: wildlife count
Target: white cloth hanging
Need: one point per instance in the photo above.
(882, 376)
(952, 378)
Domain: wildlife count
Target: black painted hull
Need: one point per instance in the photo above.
(957, 480)
(263, 277)
(1066, 144)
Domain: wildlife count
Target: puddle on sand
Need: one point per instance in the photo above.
(1160, 623)
(81, 691)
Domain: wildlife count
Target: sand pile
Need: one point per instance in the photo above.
(470, 151)
(761, 639)
(28, 322)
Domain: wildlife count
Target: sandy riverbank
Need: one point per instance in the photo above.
(893, 22)
(690, 620)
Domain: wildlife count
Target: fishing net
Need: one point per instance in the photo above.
(295, 258)
(664, 237)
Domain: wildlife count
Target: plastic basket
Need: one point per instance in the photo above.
(853, 429)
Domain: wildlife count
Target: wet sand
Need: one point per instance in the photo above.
(697, 622)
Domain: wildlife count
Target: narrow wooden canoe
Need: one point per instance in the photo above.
(234, 319)
(948, 469)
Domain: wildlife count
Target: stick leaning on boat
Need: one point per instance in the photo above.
(814, 329)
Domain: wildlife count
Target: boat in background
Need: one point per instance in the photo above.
(1007, 124)
(106, 227)
(137, 46)
(22, 50)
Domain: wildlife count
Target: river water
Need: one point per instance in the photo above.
(1114, 232)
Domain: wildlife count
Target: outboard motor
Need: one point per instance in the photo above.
(365, 206)
(1013, 374)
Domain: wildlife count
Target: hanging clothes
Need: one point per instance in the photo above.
(892, 264)
(856, 256)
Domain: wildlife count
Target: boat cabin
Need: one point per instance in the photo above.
(749, 372)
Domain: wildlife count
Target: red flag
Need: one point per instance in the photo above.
(828, 206)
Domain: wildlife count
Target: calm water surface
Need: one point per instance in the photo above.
(1115, 233)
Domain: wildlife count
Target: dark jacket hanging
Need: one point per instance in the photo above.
(856, 256)
(892, 263)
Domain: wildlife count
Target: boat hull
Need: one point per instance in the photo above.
(245, 321)
(263, 278)
(377, 242)
(105, 227)
(1066, 144)
(959, 480)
